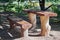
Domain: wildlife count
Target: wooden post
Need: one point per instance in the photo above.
(32, 18)
(26, 33)
(45, 27)
(24, 29)
(22, 32)
(44, 18)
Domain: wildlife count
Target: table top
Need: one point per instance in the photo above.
(46, 13)
(14, 18)
(41, 13)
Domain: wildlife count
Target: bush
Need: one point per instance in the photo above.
(56, 9)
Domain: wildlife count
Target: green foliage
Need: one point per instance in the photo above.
(4, 0)
(22, 0)
(15, 7)
(56, 9)
(52, 0)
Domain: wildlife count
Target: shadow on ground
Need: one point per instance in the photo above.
(5, 35)
(55, 26)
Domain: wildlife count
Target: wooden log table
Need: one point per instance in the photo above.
(32, 18)
(16, 21)
(44, 18)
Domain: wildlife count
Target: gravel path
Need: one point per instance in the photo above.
(13, 35)
(55, 35)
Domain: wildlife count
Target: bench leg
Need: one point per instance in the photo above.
(45, 27)
(24, 33)
(24, 29)
(11, 24)
(32, 18)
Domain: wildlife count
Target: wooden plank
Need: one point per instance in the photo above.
(16, 21)
(46, 13)
(41, 13)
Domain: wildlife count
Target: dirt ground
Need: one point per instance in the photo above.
(13, 35)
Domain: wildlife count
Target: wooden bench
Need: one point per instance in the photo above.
(44, 18)
(16, 21)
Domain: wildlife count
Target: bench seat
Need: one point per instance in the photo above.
(16, 21)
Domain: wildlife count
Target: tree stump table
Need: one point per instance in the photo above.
(44, 18)
(16, 21)
(32, 18)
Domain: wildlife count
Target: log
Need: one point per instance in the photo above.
(44, 18)
(16, 21)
